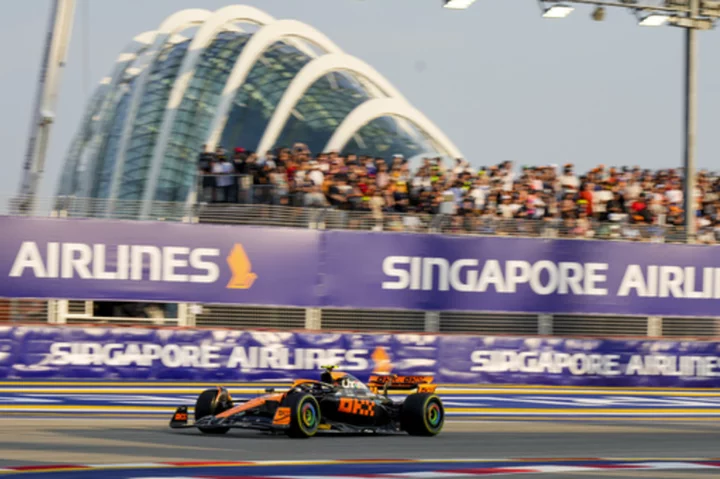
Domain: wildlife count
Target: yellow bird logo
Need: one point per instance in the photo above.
(381, 361)
(241, 269)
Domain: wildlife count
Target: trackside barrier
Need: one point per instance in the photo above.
(214, 355)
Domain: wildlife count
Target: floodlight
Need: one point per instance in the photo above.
(654, 20)
(458, 4)
(558, 11)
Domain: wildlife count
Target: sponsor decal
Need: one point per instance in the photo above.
(360, 407)
(241, 269)
(546, 277)
(205, 356)
(381, 361)
(131, 262)
(282, 416)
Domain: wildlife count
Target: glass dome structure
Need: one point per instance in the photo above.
(233, 77)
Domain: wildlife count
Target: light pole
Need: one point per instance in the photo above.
(692, 15)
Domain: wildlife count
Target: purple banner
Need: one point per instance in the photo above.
(153, 261)
(579, 362)
(203, 355)
(245, 356)
(433, 272)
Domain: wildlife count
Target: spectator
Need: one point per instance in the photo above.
(607, 201)
(223, 169)
(206, 163)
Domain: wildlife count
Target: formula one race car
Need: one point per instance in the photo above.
(339, 403)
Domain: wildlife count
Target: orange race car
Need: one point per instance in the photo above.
(338, 402)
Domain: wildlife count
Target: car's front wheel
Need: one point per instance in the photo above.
(422, 414)
(210, 403)
(304, 415)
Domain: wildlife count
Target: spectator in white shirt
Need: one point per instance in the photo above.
(568, 180)
(224, 179)
(315, 175)
(480, 191)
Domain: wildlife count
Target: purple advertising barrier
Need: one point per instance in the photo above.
(137, 354)
(578, 362)
(203, 355)
(501, 274)
(155, 261)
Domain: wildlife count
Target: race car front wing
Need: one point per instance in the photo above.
(180, 420)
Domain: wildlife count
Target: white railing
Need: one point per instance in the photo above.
(271, 214)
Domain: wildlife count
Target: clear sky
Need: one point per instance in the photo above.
(501, 81)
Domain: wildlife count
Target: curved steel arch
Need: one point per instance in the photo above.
(380, 107)
(201, 40)
(165, 33)
(311, 73)
(261, 41)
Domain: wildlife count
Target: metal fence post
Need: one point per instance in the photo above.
(62, 309)
(313, 319)
(432, 322)
(655, 326)
(545, 324)
(15, 310)
(52, 311)
(183, 313)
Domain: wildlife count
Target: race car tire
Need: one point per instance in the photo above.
(422, 414)
(209, 403)
(304, 415)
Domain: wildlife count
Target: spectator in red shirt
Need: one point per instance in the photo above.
(586, 195)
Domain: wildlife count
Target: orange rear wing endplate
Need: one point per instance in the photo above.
(403, 383)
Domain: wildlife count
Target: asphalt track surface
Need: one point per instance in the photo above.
(105, 441)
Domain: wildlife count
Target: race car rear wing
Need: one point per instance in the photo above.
(393, 382)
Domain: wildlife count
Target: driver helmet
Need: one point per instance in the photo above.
(338, 380)
(326, 377)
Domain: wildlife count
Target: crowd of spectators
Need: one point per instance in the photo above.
(627, 202)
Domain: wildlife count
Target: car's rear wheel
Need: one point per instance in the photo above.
(210, 403)
(304, 415)
(422, 414)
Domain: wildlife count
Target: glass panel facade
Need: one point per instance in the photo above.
(148, 120)
(256, 100)
(383, 137)
(195, 115)
(107, 155)
(69, 179)
(322, 109)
